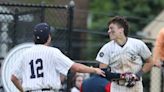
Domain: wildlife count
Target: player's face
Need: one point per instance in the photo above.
(114, 31)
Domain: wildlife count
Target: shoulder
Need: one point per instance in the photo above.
(74, 89)
(109, 44)
(136, 41)
(46, 49)
(106, 47)
(133, 39)
(53, 48)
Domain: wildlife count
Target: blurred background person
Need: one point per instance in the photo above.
(78, 80)
(158, 54)
(63, 83)
(1, 85)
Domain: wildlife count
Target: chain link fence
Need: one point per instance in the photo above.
(17, 21)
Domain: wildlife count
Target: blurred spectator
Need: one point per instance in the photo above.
(1, 85)
(78, 79)
(158, 54)
(64, 83)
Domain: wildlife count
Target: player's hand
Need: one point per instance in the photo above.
(133, 80)
(128, 76)
(130, 79)
(99, 72)
(130, 83)
(159, 64)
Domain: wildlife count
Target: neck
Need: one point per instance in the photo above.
(77, 87)
(121, 41)
(47, 44)
(48, 41)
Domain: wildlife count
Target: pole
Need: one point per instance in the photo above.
(42, 17)
(69, 43)
(15, 27)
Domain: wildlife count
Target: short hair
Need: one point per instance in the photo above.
(122, 22)
(41, 33)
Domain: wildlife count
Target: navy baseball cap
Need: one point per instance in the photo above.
(41, 32)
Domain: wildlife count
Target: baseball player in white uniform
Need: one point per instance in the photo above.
(41, 65)
(124, 54)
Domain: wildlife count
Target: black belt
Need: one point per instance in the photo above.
(44, 89)
(120, 82)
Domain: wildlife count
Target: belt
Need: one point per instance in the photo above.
(46, 89)
(120, 82)
(43, 89)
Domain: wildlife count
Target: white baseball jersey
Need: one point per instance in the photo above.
(74, 89)
(40, 67)
(124, 59)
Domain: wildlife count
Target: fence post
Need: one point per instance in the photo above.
(42, 16)
(69, 41)
(15, 27)
(70, 26)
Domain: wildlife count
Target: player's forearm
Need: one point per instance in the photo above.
(146, 68)
(148, 65)
(101, 65)
(82, 68)
(16, 82)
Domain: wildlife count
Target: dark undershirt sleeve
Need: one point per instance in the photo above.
(111, 76)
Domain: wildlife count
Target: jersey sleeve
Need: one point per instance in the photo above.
(103, 55)
(144, 51)
(63, 63)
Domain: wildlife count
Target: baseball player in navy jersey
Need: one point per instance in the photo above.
(124, 54)
(41, 65)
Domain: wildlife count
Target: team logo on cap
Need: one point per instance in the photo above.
(101, 54)
(37, 37)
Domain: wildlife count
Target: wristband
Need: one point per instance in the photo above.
(140, 73)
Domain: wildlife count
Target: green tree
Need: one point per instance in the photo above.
(138, 12)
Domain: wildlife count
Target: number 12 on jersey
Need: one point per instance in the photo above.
(36, 73)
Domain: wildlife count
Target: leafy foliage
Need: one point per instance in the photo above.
(138, 12)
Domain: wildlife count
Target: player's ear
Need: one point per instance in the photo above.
(34, 38)
(48, 40)
(122, 29)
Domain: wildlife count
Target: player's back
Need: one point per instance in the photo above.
(39, 67)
